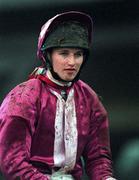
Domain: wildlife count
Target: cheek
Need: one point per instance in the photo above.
(79, 64)
(54, 62)
(57, 65)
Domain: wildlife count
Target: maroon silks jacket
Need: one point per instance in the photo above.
(27, 118)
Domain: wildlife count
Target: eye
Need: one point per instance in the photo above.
(64, 53)
(79, 54)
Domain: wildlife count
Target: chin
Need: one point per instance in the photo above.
(69, 79)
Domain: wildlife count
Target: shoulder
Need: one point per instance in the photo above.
(26, 91)
(92, 97)
(22, 101)
(87, 93)
(28, 87)
(31, 84)
(85, 88)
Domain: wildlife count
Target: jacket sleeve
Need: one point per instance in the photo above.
(18, 113)
(97, 153)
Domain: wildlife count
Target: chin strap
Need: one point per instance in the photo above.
(56, 76)
(59, 82)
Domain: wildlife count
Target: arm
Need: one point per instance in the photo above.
(17, 116)
(97, 154)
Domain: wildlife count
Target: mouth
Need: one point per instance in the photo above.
(70, 70)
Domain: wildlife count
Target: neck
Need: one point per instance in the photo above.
(49, 75)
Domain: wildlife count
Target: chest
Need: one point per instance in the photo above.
(49, 109)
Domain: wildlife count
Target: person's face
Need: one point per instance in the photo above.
(66, 62)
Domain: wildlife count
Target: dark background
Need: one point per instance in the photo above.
(112, 69)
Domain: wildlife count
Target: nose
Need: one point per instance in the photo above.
(71, 60)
